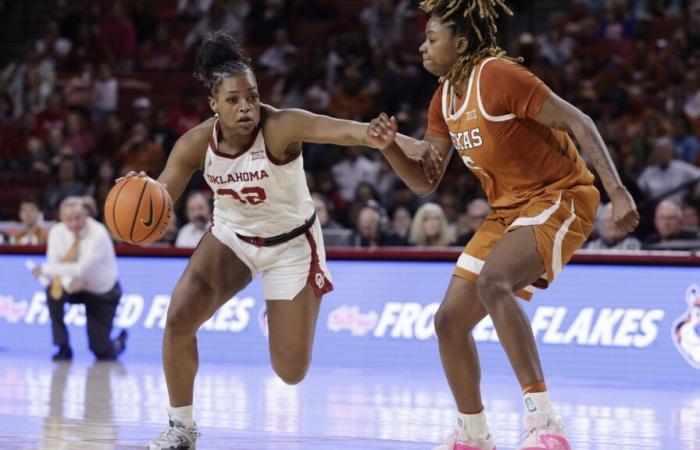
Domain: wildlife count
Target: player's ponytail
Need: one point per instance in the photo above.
(218, 57)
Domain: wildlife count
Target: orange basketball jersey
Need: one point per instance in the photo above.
(493, 128)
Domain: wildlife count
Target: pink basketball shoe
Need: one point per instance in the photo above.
(460, 440)
(543, 432)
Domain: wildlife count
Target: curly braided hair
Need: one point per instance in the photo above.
(475, 20)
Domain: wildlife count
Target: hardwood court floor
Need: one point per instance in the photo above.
(95, 406)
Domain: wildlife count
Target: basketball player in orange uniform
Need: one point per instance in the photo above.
(512, 132)
(264, 222)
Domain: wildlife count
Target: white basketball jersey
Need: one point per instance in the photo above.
(255, 194)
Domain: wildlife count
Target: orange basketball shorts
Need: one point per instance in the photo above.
(562, 220)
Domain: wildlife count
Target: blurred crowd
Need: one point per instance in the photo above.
(107, 89)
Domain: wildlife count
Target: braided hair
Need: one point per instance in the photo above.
(218, 57)
(475, 20)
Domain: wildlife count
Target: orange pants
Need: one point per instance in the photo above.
(562, 220)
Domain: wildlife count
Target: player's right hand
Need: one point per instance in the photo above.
(625, 214)
(131, 174)
(140, 174)
(381, 131)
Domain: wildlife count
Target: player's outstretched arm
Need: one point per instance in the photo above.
(561, 115)
(413, 161)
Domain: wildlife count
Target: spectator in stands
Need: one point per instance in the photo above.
(193, 9)
(15, 74)
(429, 227)
(78, 134)
(469, 222)
(555, 44)
(351, 99)
(327, 223)
(36, 160)
(83, 269)
(112, 137)
(162, 52)
(334, 234)
(276, 57)
(691, 219)
(32, 231)
(106, 92)
(162, 133)
(364, 193)
(187, 114)
(142, 111)
(54, 116)
(353, 170)
(222, 17)
(88, 44)
(119, 38)
(140, 151)
(401, 222)
(66, 184)
(52, 45)
(267, 15)
(384, 21)
(448, 202)
(666, 174)
(668, 223)
(16, 137)
(33, 98)
(198, 213)
(79, 90)
(684, 142)
(370, 232)
(102, 184)
(611, 238)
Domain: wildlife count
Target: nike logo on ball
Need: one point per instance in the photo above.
(149, 222)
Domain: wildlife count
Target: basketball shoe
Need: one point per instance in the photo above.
(176, 437)
(460, 440)
(543, 432)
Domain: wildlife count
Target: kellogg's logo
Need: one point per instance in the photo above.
(686, 329)
(350, 318)
(11, 310)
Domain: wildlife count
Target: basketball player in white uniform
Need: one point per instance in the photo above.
(264, 222)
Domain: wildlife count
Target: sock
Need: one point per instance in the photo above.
(537, 402)
(474, 424)
(183, 415)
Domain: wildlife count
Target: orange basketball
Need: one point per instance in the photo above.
(138, 210)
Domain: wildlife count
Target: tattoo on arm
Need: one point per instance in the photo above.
(599, 157)
(562, 126)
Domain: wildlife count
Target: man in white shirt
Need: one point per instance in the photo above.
(198, 221)
(667, 173)
(82, 267)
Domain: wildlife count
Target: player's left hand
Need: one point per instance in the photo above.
(381, 131)
(624, 210)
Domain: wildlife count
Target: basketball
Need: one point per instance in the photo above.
(138, 210)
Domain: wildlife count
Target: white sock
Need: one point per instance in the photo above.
(474, 424)
(537, 402)
(183, 415)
